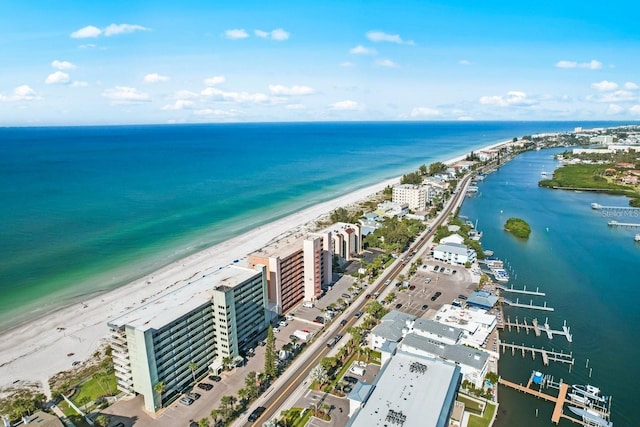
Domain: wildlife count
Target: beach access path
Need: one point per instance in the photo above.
(32, 353)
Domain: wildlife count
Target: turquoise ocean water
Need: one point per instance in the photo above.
(590, 273)
(87, 209)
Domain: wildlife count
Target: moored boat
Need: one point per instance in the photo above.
(590, 392)
(637, 238)
(591, 417)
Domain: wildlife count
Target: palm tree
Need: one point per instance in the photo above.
(243, 394)
(214, 415)
(203, 422)
(226, 362)
(159, 388)
(193, 367)
(319, 375)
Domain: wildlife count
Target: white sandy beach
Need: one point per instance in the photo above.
(32, 353)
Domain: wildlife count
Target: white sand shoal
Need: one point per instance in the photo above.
(35, 351)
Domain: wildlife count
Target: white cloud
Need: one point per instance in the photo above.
(425, 112)
(630, 86)
(63, 65)
(180, 104)
(21, 93)
(361, 50)
(86, 32)
(278, 34)
(87, 46)
(465, 118)
(464, 62)
(125, 95)
(236, 34)
(591, 65)
(513, 98)
(614, 109)
(115, 29)
(57, 78)
(345, 105)
(214, 112)
(293, 90)
(614, 97)
(295, 107)
(635, 110)
(214, 80)
(155, 78)
(185, 94)
(347, 64)
(240, 97)
(386, 63)
(79, 83)
(604, 86)
(380, 36)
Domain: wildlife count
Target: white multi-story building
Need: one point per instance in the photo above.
(346, 239)
(180, 335)
(416, 196)
(454, 253)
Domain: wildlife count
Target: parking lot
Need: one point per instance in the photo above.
(420, 297)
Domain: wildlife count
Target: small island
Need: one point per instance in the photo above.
(518, 227)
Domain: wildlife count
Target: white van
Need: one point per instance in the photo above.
(308, 304)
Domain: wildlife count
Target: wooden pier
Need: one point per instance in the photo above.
(521, 291)
(530, 305)
(559, 400)
(538, 330)
(629, 209)
(547, 355)
(623, 224)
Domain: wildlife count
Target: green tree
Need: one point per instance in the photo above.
(215, 413)
(319, 375)
(204, 422)
(159, 388)
(227, 361)
(226, 406)
(414, 178)
(437, 167)
(193, 367)
(340, 215)
(251, 385)
(243, 394)
(423, 169)
(102, 420)
(270, 360)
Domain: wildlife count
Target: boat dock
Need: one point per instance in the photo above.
(537, 330)
(628, 209)
(530, 305)
(547, 355)
(560, 400)
(623, 224)
(522, 291)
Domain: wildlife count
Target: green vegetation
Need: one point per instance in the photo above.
(635, 202)
(343, 215)
(411, 178)
(99, 385)
(395, 235)
(518, 227)
(21, 402)
(443, 231)
(587, 177)
(270, 360)
(485, 420)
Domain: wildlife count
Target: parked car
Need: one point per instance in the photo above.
(343, 322)
(205, 386)
(358, 313)
(398, 305)
(435, 296)
(427, 280)
(256, 413)
(193, 396)
(425, 306)
(412, 287)
(215, 378)
(319, 319)
(462, 297)
(186, 401)
(350, 379)
(436, 268)
(283, 323)
(276, 330)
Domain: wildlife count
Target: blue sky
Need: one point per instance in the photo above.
(120, 62)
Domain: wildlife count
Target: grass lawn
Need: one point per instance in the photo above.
(92, 389)
(476, 421)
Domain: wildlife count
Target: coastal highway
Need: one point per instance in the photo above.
(298, 371)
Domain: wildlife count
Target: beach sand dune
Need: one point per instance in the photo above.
(34, 352)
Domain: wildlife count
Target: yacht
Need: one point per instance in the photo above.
(596, 206)
(591, 417)
(590, 392)
(637, 238)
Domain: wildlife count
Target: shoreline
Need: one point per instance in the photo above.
(35, 350)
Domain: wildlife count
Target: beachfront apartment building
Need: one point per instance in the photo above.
(416, 196)
(184, 333)
(346, 239)
(296, 267)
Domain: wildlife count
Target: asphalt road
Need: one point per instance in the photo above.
(298, 372)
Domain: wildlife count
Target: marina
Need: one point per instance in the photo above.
(531, 305)
(538, 330)
(522, 291)
(623, 224)
(591, 413)
(547, 355)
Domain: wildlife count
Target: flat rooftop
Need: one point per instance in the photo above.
(424, 390)
(283, 247)
(169, 306)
